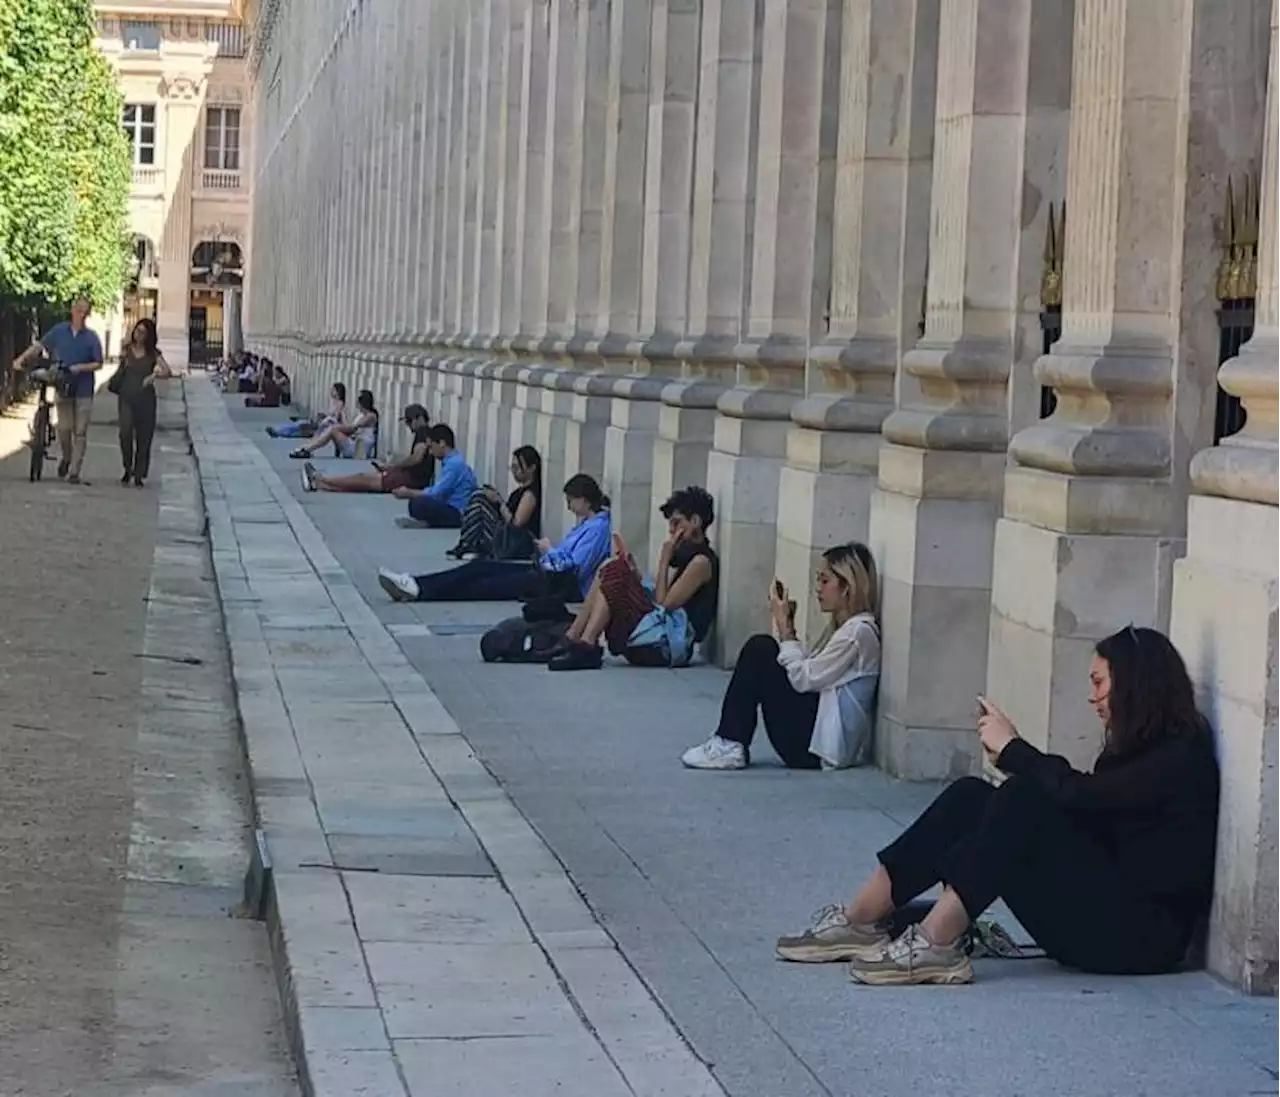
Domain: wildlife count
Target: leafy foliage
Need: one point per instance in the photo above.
(65, 165)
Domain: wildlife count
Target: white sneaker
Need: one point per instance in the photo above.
(716, 753)
(401, 587)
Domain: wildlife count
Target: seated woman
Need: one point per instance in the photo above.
(817, 707)
(497, 530)
(651, 626)
(358, 438)
(284, 385)
(305, 428)
(565, 571)
(1110, 871)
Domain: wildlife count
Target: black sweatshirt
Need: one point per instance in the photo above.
(1155, 809)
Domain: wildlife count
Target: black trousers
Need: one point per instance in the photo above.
(496, 581)
(436, 514)
(1014, 843)
(759, 684)
(137, 430)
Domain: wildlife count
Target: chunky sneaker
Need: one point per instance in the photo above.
(716, 753)
(831, 937)
(308, 477)
(912, 960)
(401, 587)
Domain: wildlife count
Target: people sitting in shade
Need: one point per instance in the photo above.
(1110, 872)
(269, 394)
(651, 624)
(498, 529)
(414, 470)
(440, 504)
(817, 705)
(308, 428)
(564, 572)
(358, 438)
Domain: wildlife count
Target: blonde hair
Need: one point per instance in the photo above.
(855, 569)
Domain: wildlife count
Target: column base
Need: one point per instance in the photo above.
(824, 499)
(1223, 622)
(932, 529)
(686, 429)
(628, 457)
(743, 471)
(1054, 596)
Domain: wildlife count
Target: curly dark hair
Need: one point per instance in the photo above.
(1152, 697)
(692, 502)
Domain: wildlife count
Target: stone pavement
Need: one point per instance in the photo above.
(691, 874)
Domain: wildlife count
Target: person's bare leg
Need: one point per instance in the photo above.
(330, 435)
(874, 901)
(948, 919)
(597, 621)
(355, 483)
(578, 627)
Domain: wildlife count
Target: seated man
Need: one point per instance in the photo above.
(411, 472)
(268, 394)
(651, 625)
(440, 505)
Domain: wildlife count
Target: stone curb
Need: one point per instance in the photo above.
(330, 1005)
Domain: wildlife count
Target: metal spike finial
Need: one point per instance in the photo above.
(1227, 241)
(1051, 270)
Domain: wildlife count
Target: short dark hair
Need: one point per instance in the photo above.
(692, 502)
(416, 411)
(442, 432)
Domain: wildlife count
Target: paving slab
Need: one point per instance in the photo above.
(693, 875)
(409, 962)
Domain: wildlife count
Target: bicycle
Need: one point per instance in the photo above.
(43, 435)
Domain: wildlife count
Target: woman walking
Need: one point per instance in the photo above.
(134, 384)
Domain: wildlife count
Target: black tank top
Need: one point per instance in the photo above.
(701, 608)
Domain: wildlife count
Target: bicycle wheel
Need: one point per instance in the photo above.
(39, 441)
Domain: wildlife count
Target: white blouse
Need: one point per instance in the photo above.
(846, 674)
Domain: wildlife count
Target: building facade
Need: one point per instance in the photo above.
(990, 284)
(187, 113)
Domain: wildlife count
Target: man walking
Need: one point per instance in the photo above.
(74, 345)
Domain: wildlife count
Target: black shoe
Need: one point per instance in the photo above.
(139, 482)
(300, 454)
(579, 657)
(128, 475)
(63, 466)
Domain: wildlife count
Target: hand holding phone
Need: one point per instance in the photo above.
(618, 545)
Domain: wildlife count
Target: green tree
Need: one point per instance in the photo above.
(65, 164)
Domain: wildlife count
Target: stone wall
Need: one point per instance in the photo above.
(794, 250)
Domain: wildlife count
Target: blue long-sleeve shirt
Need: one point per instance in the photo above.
(584, 548)
(455, 482)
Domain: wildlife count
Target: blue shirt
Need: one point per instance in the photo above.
(455, 482)
(584, 549)
(74, 349)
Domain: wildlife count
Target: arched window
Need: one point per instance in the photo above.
(217, 263)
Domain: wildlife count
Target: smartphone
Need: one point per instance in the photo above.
(778, 590)
(982, 704)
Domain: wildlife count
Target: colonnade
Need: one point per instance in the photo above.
(795, 250)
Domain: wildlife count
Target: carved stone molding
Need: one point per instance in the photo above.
(183, 88)
(226, 94)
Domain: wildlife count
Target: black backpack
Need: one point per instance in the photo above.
(516, 640)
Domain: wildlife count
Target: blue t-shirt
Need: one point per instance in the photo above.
(455, 482)
(74, 349)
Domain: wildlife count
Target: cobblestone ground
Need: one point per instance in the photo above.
(75, 571)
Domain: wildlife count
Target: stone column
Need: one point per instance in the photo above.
(586, 206)
(790, 274)
(181, 107)
(550, 387)
(719, 245)
(410, 223)
(879, 247)
(1162, 111)
(1224, 613)
(498, 388)
(664, 282)
(621, 233)
(1002, 109)
(532, 220)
